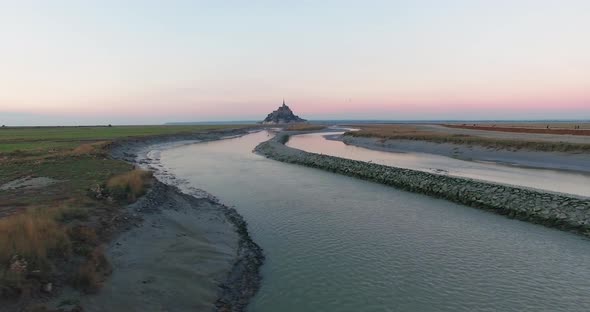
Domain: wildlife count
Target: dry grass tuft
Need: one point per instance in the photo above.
(27, 242)
(130, 185)
(89, 148)
(34, 235)
(83, 149)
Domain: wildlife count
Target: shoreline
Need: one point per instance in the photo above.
(185, 249)
(561, 211)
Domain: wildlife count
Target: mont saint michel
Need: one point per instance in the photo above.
(282, 115)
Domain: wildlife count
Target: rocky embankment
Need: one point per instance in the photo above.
(554, 210)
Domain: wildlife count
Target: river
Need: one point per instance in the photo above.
(335, 243)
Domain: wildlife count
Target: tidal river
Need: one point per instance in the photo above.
(335, 243)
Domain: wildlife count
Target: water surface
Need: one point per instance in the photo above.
(335, 243)
(544, 179)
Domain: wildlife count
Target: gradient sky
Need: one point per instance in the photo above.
(134, 62)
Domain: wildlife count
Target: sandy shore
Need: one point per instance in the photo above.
(186, 252)
(579, 162)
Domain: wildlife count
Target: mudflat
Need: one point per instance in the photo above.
(174, 260)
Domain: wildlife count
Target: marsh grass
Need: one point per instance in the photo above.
(28, 242)
(34, 235)
(130, 185)
(406, 132)
(47, 140)
(32, 242)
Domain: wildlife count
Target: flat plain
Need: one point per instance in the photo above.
(515, 139)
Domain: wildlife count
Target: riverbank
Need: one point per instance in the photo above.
(496, 140)
(578, 162)
(561, 211)
(186, 251)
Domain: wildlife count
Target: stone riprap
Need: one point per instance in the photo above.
(560, 211)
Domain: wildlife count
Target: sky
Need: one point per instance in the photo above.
(149, 62)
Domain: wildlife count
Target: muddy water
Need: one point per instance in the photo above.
(335, 243)
(551, 180)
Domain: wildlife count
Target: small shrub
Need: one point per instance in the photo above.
(84, 239)
(130, 185)
(82, 233)
(92, 273)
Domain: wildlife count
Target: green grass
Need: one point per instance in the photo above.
(75, 175)
(97, 133)
(76, 156)
(37, 140)
(35, 148)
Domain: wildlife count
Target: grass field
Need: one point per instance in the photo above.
(559, 129)
(410, 132)
(40, 139)
(582, 125)
(66, 220)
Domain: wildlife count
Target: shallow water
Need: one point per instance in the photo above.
(335, 243)
(544, 179)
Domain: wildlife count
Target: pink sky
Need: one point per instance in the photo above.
(141, 63)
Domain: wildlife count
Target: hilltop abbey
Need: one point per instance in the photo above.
(282, 115)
